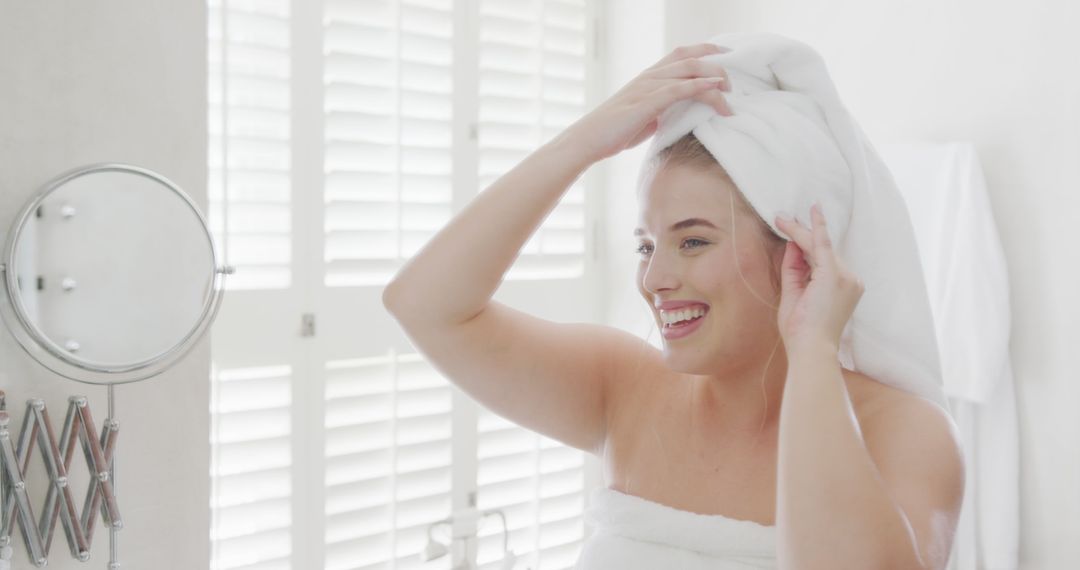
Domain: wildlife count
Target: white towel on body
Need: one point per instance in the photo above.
(632, 533)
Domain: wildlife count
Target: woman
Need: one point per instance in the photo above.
(714, 455)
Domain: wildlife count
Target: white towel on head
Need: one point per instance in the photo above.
(791, 143)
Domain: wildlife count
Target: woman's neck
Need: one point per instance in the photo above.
(744, 402)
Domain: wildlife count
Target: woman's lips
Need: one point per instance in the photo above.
(680, 331)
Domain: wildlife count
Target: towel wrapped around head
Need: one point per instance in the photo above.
(791, 143)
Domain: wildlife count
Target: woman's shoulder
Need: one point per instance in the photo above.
(869, 396)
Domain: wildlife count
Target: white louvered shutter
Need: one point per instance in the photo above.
(533, 62)
(249, 139)
(388, 100)
(388, 455)
(532, 71)
(387, 114)
(252, 373)
(251, 468)
(539, 484)
(349, 171)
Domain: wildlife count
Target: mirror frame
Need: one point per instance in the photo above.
(56, 358)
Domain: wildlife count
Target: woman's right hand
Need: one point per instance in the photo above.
(630, 115)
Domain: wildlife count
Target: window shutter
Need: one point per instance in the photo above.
(334, 450)
(249, 140)
(249, 185)
(532, 84)
(251, 467)
(388, 79)
(388, 461)
(539, 484)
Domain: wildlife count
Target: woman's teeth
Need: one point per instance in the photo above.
(670, 318)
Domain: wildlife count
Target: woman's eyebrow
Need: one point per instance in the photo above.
(687, 223)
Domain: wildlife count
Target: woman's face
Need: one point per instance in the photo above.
(696, 262)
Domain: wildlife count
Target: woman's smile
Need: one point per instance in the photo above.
(684, 328)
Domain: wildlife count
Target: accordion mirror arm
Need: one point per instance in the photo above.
(16, 499)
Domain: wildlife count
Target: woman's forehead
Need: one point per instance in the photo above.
(677, 192)
(685, 183)
(661, 207)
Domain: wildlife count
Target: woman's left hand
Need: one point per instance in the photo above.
(816, 300)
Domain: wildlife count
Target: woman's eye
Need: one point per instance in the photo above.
(641, 248)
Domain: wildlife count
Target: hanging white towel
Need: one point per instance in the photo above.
(963, 261)
(967, 281)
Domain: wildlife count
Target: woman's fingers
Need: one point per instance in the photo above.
(692, 67)
(683, 52)
(631, 114)
(664, 97)
(825, 252)
(663, 83)
(821, 236)
(802, 237)
(716, 100)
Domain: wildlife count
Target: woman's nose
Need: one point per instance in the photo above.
(659, 274)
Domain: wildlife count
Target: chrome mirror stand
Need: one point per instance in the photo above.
(98, 452)
(23, 261)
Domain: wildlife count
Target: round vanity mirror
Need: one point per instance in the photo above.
(111, 274)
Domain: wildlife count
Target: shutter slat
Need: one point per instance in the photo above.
(249, 96)
(388, 122)
(251, 467)
(532, 69)
(388, 457)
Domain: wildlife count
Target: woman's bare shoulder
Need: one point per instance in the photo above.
(868, 395)
(865, 393)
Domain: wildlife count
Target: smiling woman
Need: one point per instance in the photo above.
(788, 144)
(701, 428)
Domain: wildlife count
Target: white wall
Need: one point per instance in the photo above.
(119, 81)
(1000, 74)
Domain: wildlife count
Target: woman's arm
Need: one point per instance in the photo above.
(833, 510)
(549, 377)
(454, 276)
(837, 505)
(456, 273)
